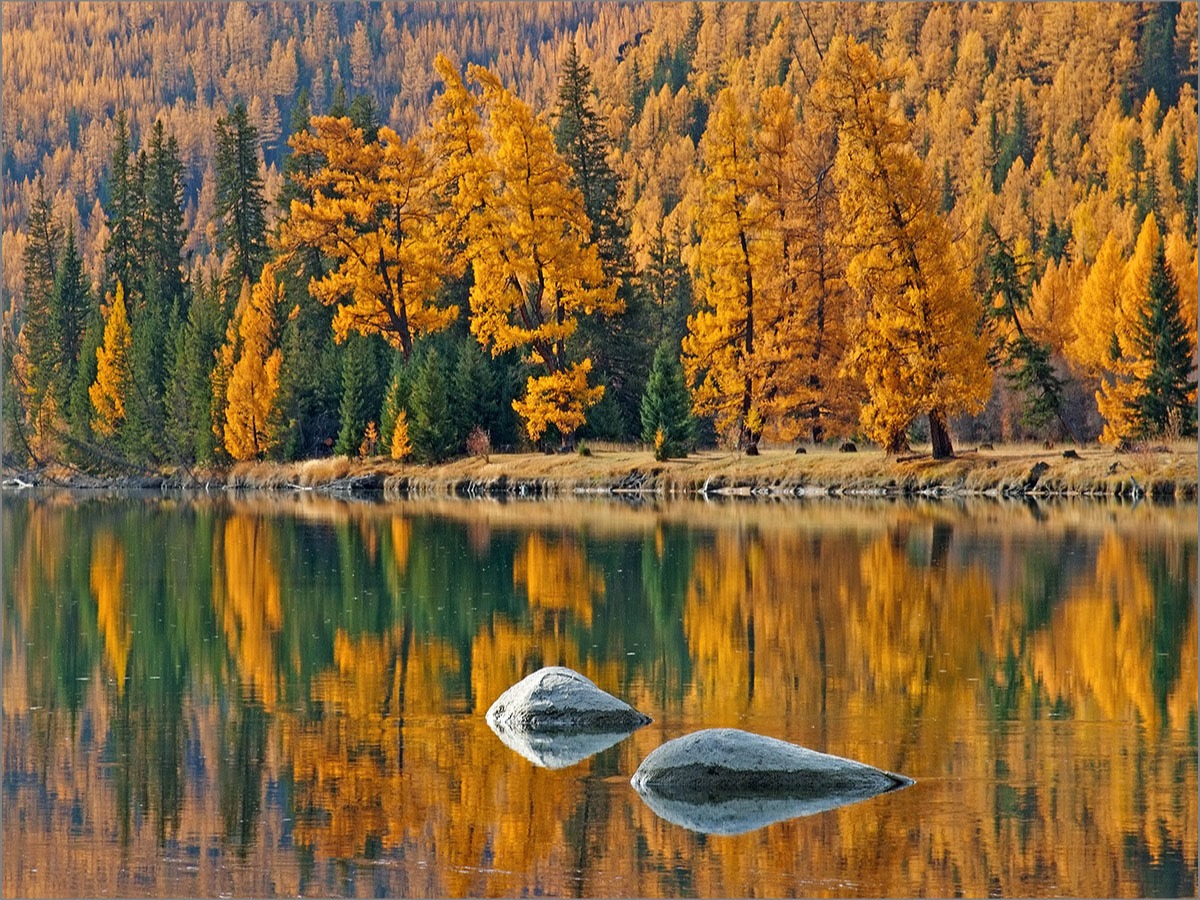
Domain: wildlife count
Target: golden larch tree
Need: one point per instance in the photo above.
(739, 256)
(1092, 345)
(373, 210)
(803, 334)
(253, 389)
(527, 238)
(113, 374)
(916, 343)
(1106, 322)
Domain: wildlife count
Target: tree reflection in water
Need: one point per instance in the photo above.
(286, 695)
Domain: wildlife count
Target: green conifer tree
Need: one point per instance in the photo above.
(358, 406)
(619, 346)
(163, 231)
(124, 216)
(70, 312)
(473, 386)
(431, 426)
(1168, 399)
(39, 327)
(240, 206)
(667, 421)
(189, 393)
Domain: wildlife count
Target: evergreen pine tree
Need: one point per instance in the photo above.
(1168, 395)
(240, 206)
(70, 313)
(296, 164)
(39, 325)
(142, 434)
(79, 410)
(124, 215)
(189, 392)
(619, 346)
(667, 421)
(356, 409)
(430, 425)
(364, 114)
(473, 385)
(310, 387)
(395, 397)
(163, 226)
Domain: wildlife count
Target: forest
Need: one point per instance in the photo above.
(281, 231)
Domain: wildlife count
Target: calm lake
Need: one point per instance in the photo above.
(283, 696)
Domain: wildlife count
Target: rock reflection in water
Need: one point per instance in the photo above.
(556, 749)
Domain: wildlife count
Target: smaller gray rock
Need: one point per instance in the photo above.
(727, 781)
(560, 699)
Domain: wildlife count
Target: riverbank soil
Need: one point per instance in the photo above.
(1159, 471)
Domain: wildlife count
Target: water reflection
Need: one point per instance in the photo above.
(271, 696)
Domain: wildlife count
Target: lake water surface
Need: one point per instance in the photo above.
(285, 696)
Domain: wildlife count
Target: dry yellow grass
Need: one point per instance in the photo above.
(1005, 469)
(1161, 471)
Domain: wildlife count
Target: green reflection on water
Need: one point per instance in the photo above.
(297, 687)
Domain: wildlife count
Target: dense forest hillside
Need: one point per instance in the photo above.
(284, 230)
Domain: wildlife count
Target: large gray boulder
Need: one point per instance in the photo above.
(727, 781)
(557, 717)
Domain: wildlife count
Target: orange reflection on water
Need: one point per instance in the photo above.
(1036, 676)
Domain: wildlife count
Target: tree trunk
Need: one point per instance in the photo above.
(896, 443)
(939, 435)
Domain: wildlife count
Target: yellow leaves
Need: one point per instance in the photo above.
(1181, 257)
(112, 382)
(1106, 321)
(107, 579)
(557, 577)
(246, 595)
(1094, 318)
(401, 446)
(375, 210)
(535, 270)
(560, 399)
(917, 348)
(524, 229)
(370, 441)
(253, 385)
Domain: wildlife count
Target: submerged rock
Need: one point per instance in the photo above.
(727, 781)
(548, 713)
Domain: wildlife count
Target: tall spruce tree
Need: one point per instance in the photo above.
(38, 325)
(619, 347)
(189, 390)
(431, 425)
(164, 233)
(310, 380)
(240, 205)
(359, 403)
(667, 421)
(1167, 400)
(124, 215)
(70, 311)
(474, 388)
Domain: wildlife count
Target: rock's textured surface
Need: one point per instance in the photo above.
(726, 781)
(557, 699)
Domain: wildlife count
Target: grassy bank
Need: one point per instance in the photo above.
(1160, 472)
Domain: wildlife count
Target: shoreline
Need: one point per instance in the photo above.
(1159, 473)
